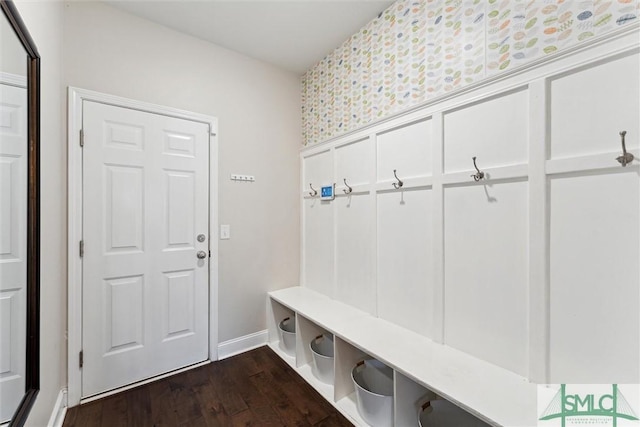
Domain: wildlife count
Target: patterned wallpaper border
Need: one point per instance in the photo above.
(419, 49)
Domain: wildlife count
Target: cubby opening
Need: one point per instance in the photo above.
(307, 331)
(346, 358)
(276, 313)
(412, 399)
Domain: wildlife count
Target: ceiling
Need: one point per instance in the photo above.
(291, 34)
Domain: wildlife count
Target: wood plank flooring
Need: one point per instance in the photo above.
(256, 388)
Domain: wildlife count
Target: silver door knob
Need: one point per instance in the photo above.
(201, 255)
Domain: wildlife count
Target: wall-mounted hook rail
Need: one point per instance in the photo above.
(398, 184)
(347, 190)
(313, 191)
(479, 174)
(626, 158)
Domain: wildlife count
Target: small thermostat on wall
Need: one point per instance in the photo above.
(328, 192)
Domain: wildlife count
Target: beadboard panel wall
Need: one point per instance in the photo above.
(405, 258)
(393, 145)
(535, 266)
(355, 251)
(486, 271)
(593, 104)
(594, 272)
(494, 130)
(418, 50)
(318, 250)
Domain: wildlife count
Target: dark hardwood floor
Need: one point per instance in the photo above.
(256, 388)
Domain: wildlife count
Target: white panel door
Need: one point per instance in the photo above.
(145, 201)
(13, 247)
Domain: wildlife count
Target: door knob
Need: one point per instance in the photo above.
(201, 255)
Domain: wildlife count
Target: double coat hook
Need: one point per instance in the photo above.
(347, 190)
(479, 174)
(626, 158)
(398, 184)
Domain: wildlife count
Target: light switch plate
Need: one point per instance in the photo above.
(225, 232)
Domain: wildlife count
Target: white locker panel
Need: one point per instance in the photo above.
(354, 163)
(405, 258)
(486, 272)
(317, 170)
(494, 130)
(318, 246)
(591, 106)
(355, 251)
(407, 149)
(594, 278)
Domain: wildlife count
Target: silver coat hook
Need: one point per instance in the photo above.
(347, 190)
(398, 184)
(626, 158)
(313, 191)
(479, 174)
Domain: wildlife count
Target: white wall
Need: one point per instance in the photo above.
(44, 21)
(258, 109)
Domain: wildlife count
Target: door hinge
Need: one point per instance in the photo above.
(81, 248)
(81, 358)
(81, 137)
(209, 254)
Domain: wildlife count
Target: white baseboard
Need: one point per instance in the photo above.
(59, 410)
(242, 344)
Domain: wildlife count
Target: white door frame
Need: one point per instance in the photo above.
(74, 231)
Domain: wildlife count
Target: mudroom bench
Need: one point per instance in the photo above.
(490, 393)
